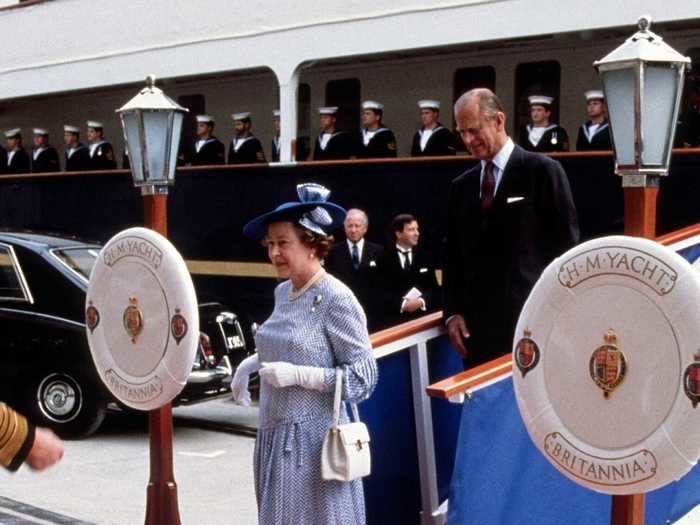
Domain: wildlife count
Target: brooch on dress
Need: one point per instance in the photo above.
(317, 301)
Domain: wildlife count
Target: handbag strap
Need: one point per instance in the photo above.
(338, 398)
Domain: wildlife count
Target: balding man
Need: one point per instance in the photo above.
(508, 217)
(354, 261)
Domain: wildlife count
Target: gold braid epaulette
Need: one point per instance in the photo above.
(16, 438)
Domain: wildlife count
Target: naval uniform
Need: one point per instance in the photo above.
(16, 439)
(208, 152)
(17, 161)
(102, 156)
(592, 137)
(554, 138)
(45, 160)
(433, 142)
(275, 155)
(245, 150)
(333, 146)
(379, 143)
(78, 158)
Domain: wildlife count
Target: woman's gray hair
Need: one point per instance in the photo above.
(489, 103)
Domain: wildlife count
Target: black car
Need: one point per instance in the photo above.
(46, 369)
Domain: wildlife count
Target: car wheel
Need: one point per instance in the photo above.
(67, 403)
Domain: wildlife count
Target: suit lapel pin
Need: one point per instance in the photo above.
(317, 301)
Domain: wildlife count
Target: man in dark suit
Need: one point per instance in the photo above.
(101, 151)
(432, 139)
(595, 134)
(207, 150)
(508, 217)
(542, 134)
(17, 158)
(410, 286)
(332, 143)
(355, 262)
(376, 141)
(245, 148)
(77, 154)
(44, 156)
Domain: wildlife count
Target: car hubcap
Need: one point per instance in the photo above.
(60, 398)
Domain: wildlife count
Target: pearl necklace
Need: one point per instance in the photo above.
(294, 294)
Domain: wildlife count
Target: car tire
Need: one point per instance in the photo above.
(67, 402)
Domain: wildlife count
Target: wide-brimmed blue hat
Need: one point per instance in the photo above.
(312, 211)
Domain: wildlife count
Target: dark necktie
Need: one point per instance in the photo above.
(406, 262)
(355, 256)
(488, 185)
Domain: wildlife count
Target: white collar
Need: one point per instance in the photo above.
(360, 245)
(237, 143)
(38, 151)
(500, 159)
(95, 145)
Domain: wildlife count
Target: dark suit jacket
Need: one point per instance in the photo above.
(363, 281)
(600, 141)
(494, 260)
(3, 160)
(79, 160)
(250, 152)
(396, 282)
(103, 157)
(19, 162)
(46, 161)
(441, 142)
(212, 152)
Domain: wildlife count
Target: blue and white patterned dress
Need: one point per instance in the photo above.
(324, 327)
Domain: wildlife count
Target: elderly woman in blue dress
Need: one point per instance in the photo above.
(317, 326)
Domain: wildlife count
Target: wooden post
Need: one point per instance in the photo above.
(640, 221)
(161, 495)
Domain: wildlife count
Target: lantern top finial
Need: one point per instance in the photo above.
(150, 81)
(644, 23)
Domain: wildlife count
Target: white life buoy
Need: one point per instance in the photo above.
(142, 318)
(606, 362)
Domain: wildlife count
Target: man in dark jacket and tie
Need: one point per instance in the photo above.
(432, 139)
(355, 262)
(44, 156)
(409, 283)
(508, 218)
(17, 158)
(207, 149)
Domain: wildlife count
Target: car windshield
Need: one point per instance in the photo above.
(80, 260)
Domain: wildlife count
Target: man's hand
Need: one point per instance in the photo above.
(411, 305)
(46, 450)
(458, 332)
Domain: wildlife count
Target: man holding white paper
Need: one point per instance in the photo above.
(409, 274)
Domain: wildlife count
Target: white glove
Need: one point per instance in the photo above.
(239, 383)
(281, 374)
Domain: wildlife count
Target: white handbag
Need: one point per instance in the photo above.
(345, 455)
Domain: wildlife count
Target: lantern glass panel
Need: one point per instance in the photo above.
(131, 122)
(156, 132)
(178, 118)
(620, 87)
(658, 105)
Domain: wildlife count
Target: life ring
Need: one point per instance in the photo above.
(606, 362)
(142, 319)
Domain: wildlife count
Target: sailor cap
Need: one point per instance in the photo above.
(205, 119)
(328, 110)
(429, 104)
(94, 124)
(71, 129)
(276, 113)
(40, 131)
(241, 116)
(540, 100)
(594, 94)
(14, 132)
(372, 104)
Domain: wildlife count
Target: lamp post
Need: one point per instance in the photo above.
(643, 83)
(152, 123)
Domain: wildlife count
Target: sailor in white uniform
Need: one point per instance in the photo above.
(207, 149)
(432, 139)
(595, 133)
(245, 148)
(377, 141)
(332, 143)
(541, 134)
